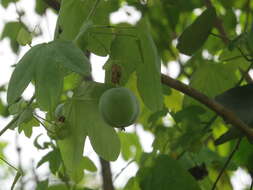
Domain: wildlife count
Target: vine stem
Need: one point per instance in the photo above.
(123, 169)
(48, 130)
(9, 164)
(227, 162)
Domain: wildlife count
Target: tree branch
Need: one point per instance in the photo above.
(210, 103)
(106, 174)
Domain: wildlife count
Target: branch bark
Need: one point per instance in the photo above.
(106, 174)
(210, 103)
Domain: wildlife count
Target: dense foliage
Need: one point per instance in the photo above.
(210, 41)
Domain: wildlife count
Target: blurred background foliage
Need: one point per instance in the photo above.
(184, 130)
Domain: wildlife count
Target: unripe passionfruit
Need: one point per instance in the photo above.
(119, 107)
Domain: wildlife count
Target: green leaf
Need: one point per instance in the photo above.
(54, 159)
(95, 39)
(25, 116)
(38, 146)
(250, 38)
(70, 56)
(3, 145)
(50, 60)
(211, 79)
(48, 89)
(58, 187)
(24, 37)
(121, 47)
(70, 22)
(234, 57)
(166, 173)
(71, 147)
(132, 184)
(27, 127)
(103, 137)
(88, 164)
(42, 185)
(131, 147)
(148, 71)
(197, 33)
(6, 3)
(22, 75)
(11, 30)
(17, 107)
(41, 7)
(89, 36)
(190, 112)
(165, 138)
(81, 112)
(238, 100)
(64, 187)
(243, 155)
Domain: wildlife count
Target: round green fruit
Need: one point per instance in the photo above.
(119, 107)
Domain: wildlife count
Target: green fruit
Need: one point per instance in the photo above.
(119, 107)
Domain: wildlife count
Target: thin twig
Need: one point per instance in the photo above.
(123, 169)
(210, 122)
(9, 164)
(218, 35)
(9, 125)
(227, 162)
(48, 130)
(244, 74)
(244, 55)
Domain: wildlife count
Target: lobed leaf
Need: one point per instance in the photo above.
(47, 64)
